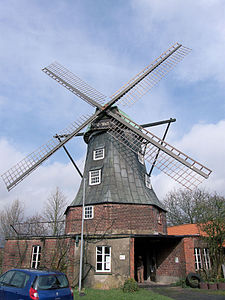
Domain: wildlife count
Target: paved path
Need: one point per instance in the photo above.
(178, 293)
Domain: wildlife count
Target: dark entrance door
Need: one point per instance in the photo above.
(146, 250)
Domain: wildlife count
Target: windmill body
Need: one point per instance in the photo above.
(118, 186)
(123, 216)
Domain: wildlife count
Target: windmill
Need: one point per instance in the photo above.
(138, 139)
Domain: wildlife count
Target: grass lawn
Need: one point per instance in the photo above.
(118, 294)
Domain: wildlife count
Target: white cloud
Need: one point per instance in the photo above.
(206, 144)
(199, 25)
(36, 188)
(106, 48)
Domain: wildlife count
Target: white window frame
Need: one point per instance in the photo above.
(103, 259)
(198, 259)
(36, 256)
(94, 177)
(88, 212)
(148, 182)
(206, 257)
(99, 153)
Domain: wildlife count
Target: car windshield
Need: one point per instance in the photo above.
(47, 282)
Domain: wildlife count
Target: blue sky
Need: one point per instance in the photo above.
(106, 43)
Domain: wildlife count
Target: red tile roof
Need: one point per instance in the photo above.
(185, 229)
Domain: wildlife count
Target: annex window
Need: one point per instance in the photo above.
(103, 259)
(98, 153)
(198, 259)
(36, 257)
(148, 181)
(88, 212)
(94, 177)
(206, 256)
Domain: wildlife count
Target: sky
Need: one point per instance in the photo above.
(106, 43)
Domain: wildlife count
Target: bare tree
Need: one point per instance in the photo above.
(211, 220)
(208, 212)
(33, 226)
(10, 216)
(54, 211)
(182, 205)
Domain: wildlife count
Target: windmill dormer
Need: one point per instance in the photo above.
(118, 193)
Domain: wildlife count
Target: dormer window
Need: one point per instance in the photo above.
(95, 177)
(148, 181)
(98, 153)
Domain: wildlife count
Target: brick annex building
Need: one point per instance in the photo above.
(124, 219)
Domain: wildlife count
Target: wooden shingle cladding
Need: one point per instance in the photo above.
(122, 175)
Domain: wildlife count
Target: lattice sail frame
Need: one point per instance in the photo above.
(128, 94)
(160, 67)
(27, 165)
(177, 165)
(74, 84)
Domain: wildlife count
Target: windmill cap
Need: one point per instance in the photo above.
(102, 123)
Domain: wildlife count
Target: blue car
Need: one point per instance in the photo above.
(24, 284)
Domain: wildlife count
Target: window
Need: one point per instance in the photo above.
(50, 282)
(5, 278)
(148, 181)
(94, 177)
(206, 258)
(198, 259)
(141, 158)
(88, 212)
(98, 153)
(103, 259)
(19, 280)
(159, 216)
(36, 257)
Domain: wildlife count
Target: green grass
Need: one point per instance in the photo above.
(118, 294)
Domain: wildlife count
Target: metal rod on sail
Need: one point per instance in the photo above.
(70, 157)
(157, 154)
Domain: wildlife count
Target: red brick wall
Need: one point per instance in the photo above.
(18, 254)
(1, 258)
(117, 218)
(132, 264)
(189, 254)
(167, 254)
(184, 250)
(189, 244)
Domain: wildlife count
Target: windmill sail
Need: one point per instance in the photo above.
(179, 166)
(128, 93)
(170, 160)
(144, 81)
(75, 85)
(22, 169)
